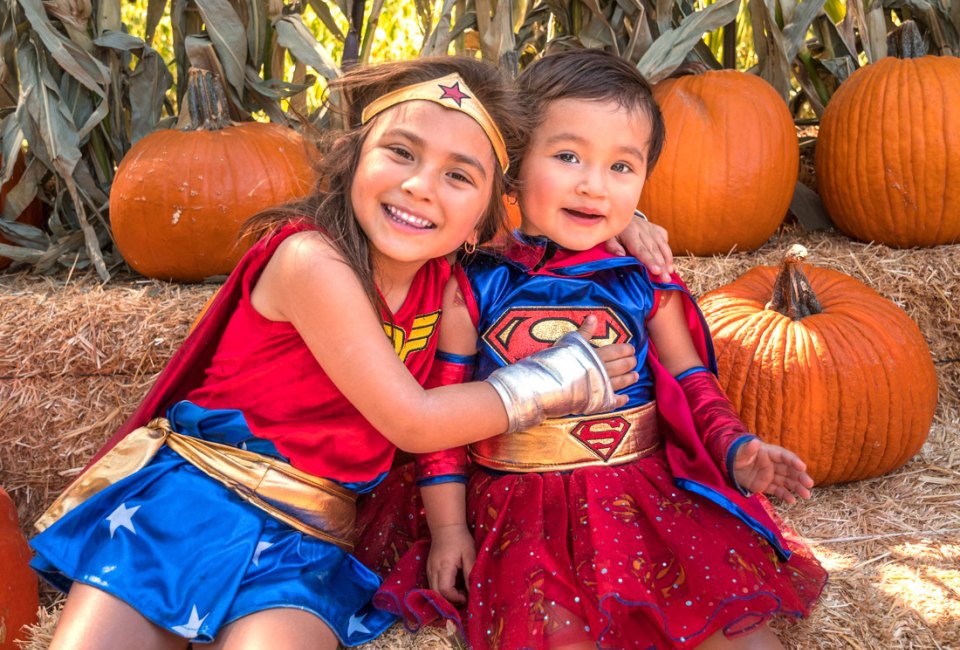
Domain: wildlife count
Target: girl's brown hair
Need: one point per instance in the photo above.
(592, 75)
(329, 207)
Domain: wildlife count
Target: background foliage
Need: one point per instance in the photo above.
(81, 80)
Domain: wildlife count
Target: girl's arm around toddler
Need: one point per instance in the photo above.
(308, 284)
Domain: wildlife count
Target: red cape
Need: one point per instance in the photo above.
(692, 466)
(185, 370)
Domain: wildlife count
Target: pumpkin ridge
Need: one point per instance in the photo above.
(743, 368)
(939, 235)
(845, 375)
(879, 411)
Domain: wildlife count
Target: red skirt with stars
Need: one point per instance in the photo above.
(613, 555)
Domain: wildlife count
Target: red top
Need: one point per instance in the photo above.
(238, 359)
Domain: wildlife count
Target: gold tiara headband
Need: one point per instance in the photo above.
(450, 92)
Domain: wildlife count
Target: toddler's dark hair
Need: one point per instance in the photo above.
(592, 75)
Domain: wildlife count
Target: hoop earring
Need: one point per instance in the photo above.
(469, 248)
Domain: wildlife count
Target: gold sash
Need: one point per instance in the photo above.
(570, 443)
(313, 505)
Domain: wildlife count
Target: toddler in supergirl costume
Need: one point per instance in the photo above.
(231, 521)
(642, 527)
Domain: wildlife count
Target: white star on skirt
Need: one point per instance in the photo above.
(192, 627)
(355, 625)
(122, 517)
(261, 547)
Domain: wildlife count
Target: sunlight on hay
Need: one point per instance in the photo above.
(833, 561)
(926, 580)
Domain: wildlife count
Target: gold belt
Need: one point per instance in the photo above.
(569, 443)
(313, 505)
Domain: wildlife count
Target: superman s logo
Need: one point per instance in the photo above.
(521, 331)
(421, 330)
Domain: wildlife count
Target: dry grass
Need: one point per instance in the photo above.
(77, 357)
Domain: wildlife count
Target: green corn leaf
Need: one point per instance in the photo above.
(229, 38)
(148, 85)
(370, 31)
(294, 35)
(75, 61)
(155, 11)
(326, 17)
(669, 51)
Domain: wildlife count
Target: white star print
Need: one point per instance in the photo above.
(261, 547)
(192, 627)
(355, 625)
(122, 517)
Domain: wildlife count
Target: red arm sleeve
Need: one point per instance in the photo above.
(448, 465)
(717, 422)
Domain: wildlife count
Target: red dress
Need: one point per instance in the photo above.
(236, 358)
(660, 552)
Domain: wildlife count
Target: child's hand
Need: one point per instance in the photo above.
(762, 467)
(648, 243)
(619, 359)
(451, 550)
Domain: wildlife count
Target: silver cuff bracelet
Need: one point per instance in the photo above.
(566, 378)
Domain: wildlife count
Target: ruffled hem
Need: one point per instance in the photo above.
(606, 555)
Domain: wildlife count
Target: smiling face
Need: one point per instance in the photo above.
(423, 182)
(583, 172)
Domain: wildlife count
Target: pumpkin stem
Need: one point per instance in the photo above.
(792, 294)
(206, 101)
(905, 42)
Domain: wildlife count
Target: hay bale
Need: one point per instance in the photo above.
(80, 355)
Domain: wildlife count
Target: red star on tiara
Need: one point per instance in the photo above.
(453, 92)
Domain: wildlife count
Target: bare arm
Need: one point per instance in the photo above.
(670, 335)
(451, 547)
(309, 285)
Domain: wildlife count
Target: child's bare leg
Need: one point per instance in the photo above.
(286, 628)
(94, 619)
(762, 639)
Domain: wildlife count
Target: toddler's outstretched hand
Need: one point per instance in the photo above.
(451, 550)
(762, 467)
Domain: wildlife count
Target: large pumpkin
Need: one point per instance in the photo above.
(180, 196)
(888, 152)
(19, 596)
(729, 165)
(31, 215)
(819, 363)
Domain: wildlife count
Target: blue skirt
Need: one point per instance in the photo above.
(192, 556)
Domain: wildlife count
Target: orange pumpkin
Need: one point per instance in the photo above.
(32, 215)
(815, 361)
(729, 165)
(513, 211)
(19, 592)
(888, 152)
(180, 198)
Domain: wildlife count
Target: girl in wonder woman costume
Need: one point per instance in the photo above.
(642, 527)
(231, 520)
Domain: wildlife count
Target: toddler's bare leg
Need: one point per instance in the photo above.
(291, 629)
(94, 619)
